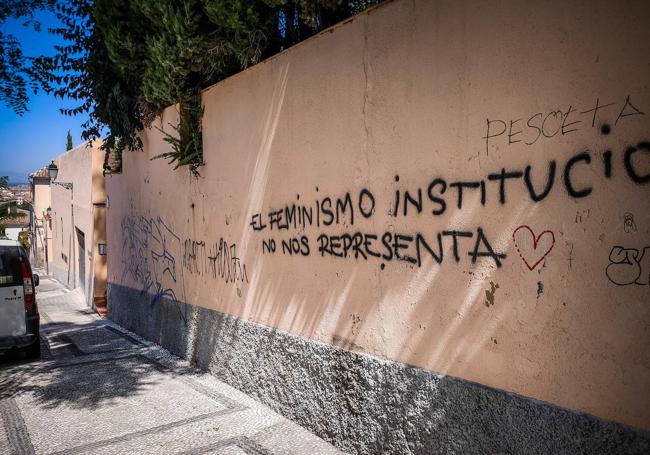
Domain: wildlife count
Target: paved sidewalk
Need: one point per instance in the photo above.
(99, 389)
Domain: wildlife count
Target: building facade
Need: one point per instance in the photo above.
(16, 222)
(14, 228)
(78, 226)
(40, 219)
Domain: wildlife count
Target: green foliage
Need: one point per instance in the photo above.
(356, 6)
(68, 142)
(15, 67)
(187, 144)
(6, 216)
(127, 60)
(23, 238)
(82, 71)
(7, 211)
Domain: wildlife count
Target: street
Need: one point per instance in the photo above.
(100, 389)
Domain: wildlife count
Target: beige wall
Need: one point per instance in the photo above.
(99, 226)
(389, 103)
(41, 228)
(82, 166)
(41, 196)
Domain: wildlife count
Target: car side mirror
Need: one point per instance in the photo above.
(37, 280)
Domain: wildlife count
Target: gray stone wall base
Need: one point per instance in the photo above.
(361, 403)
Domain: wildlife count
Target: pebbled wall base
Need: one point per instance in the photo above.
(360, 403)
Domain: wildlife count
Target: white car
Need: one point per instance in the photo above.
(19, 319)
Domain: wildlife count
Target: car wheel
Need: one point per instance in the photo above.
(33, 351)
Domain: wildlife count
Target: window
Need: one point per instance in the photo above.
(10, 273)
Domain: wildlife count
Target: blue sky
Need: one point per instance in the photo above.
(30, 141)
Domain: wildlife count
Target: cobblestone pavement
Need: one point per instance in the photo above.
(99, 389)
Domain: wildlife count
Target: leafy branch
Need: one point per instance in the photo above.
(125, 61)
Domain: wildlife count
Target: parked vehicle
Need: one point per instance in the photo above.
(19, 318)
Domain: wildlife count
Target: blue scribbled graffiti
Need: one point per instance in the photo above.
(148, 258)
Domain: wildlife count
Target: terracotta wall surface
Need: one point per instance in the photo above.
(80, 166)
(41, 197)
(100, 268)
(99, 225)
(97, 172)
(42, 228)
(534, 281)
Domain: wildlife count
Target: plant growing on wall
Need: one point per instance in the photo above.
(127, 60)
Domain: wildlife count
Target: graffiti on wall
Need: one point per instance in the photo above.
(335, 217)
(149, 249)
(542, 126)
(343, 212)
(532, 249)
(334, 225)
(433, 200)
(218, 260)
(629, 266)
(629, 226)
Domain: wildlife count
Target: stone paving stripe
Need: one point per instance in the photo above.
(197, 386)
(46, 352)
(15, 428)
(246, 444)
(118, 354)
(44, 316)
(137, 434)
(70, 327)
(68, 343)
(58, 326)
(202, 389)
(224, 400)
(123, 335)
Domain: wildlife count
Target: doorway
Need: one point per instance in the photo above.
(81, 242)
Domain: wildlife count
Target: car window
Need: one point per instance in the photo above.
(10, 274)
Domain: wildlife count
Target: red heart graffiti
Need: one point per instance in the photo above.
(522, 245)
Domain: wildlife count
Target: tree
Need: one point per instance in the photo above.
(127, 60)
(15, 68)
(7, 215)
(23, 238)
(68, 145)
